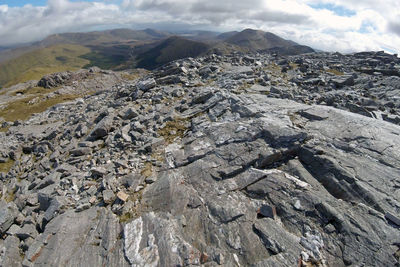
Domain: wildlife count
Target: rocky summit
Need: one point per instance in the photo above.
(235, 160)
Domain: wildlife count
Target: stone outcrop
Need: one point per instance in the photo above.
(240, 160)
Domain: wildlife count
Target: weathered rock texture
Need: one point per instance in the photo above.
(241, 160)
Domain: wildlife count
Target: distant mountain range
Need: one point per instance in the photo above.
(126, 49)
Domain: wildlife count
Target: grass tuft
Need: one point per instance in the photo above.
(336, 72)
(147, 170)
(173, 129)
(6, 166)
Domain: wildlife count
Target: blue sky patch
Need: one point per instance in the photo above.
(338, 10)
(367, 27)
(14, 3)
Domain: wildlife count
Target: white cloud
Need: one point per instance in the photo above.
(370, 26)
(3, 8)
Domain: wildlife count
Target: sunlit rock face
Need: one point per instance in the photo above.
(237, 160)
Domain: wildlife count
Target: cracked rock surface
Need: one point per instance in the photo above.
(238, 160)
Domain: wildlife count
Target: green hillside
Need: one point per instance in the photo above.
(255, 40)
(33, 65)
(171, 49)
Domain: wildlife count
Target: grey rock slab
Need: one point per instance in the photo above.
(10, 252)
(149, 238)
(167, 193)
(332, 175)
(227, 208)
(278, 240)
(56, 205)
(53, 178)
(346, 80)
(102, 128)
(8, 212)
(28, 230)
(147, 84)
(87, 238)
(108, 196)
(13, 229)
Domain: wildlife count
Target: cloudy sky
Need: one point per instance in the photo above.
(332, 25)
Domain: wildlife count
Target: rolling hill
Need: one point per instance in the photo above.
(104, 37)
(96, 39)
(255, 40)
(121, 49)
(33, 65)
(171, 49)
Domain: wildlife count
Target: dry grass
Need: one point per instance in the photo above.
(336, 72)
(272, 67)
(130, 76)
(21, 109)
(4, 129)
(34, 91)
(5, 167)
(10, 196)
(136, 211)
(147, 170)
(126, 217)
(173, 129)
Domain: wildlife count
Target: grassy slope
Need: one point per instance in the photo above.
(22, 109)
(255, 40)
(171, 49)
(35, 64)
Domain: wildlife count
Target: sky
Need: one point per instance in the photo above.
(329, 25)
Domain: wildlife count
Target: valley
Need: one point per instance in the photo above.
(124, 49)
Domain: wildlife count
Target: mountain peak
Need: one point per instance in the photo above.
(257, 40)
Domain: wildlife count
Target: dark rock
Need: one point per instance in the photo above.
(81, 151)
(129, 114)
(98, 171)
(44, 201)
(392, 218)
(343, 81)
(267, 211)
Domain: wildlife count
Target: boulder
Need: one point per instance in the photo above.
(8, 212)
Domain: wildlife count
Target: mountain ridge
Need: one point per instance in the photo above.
(125, 48)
